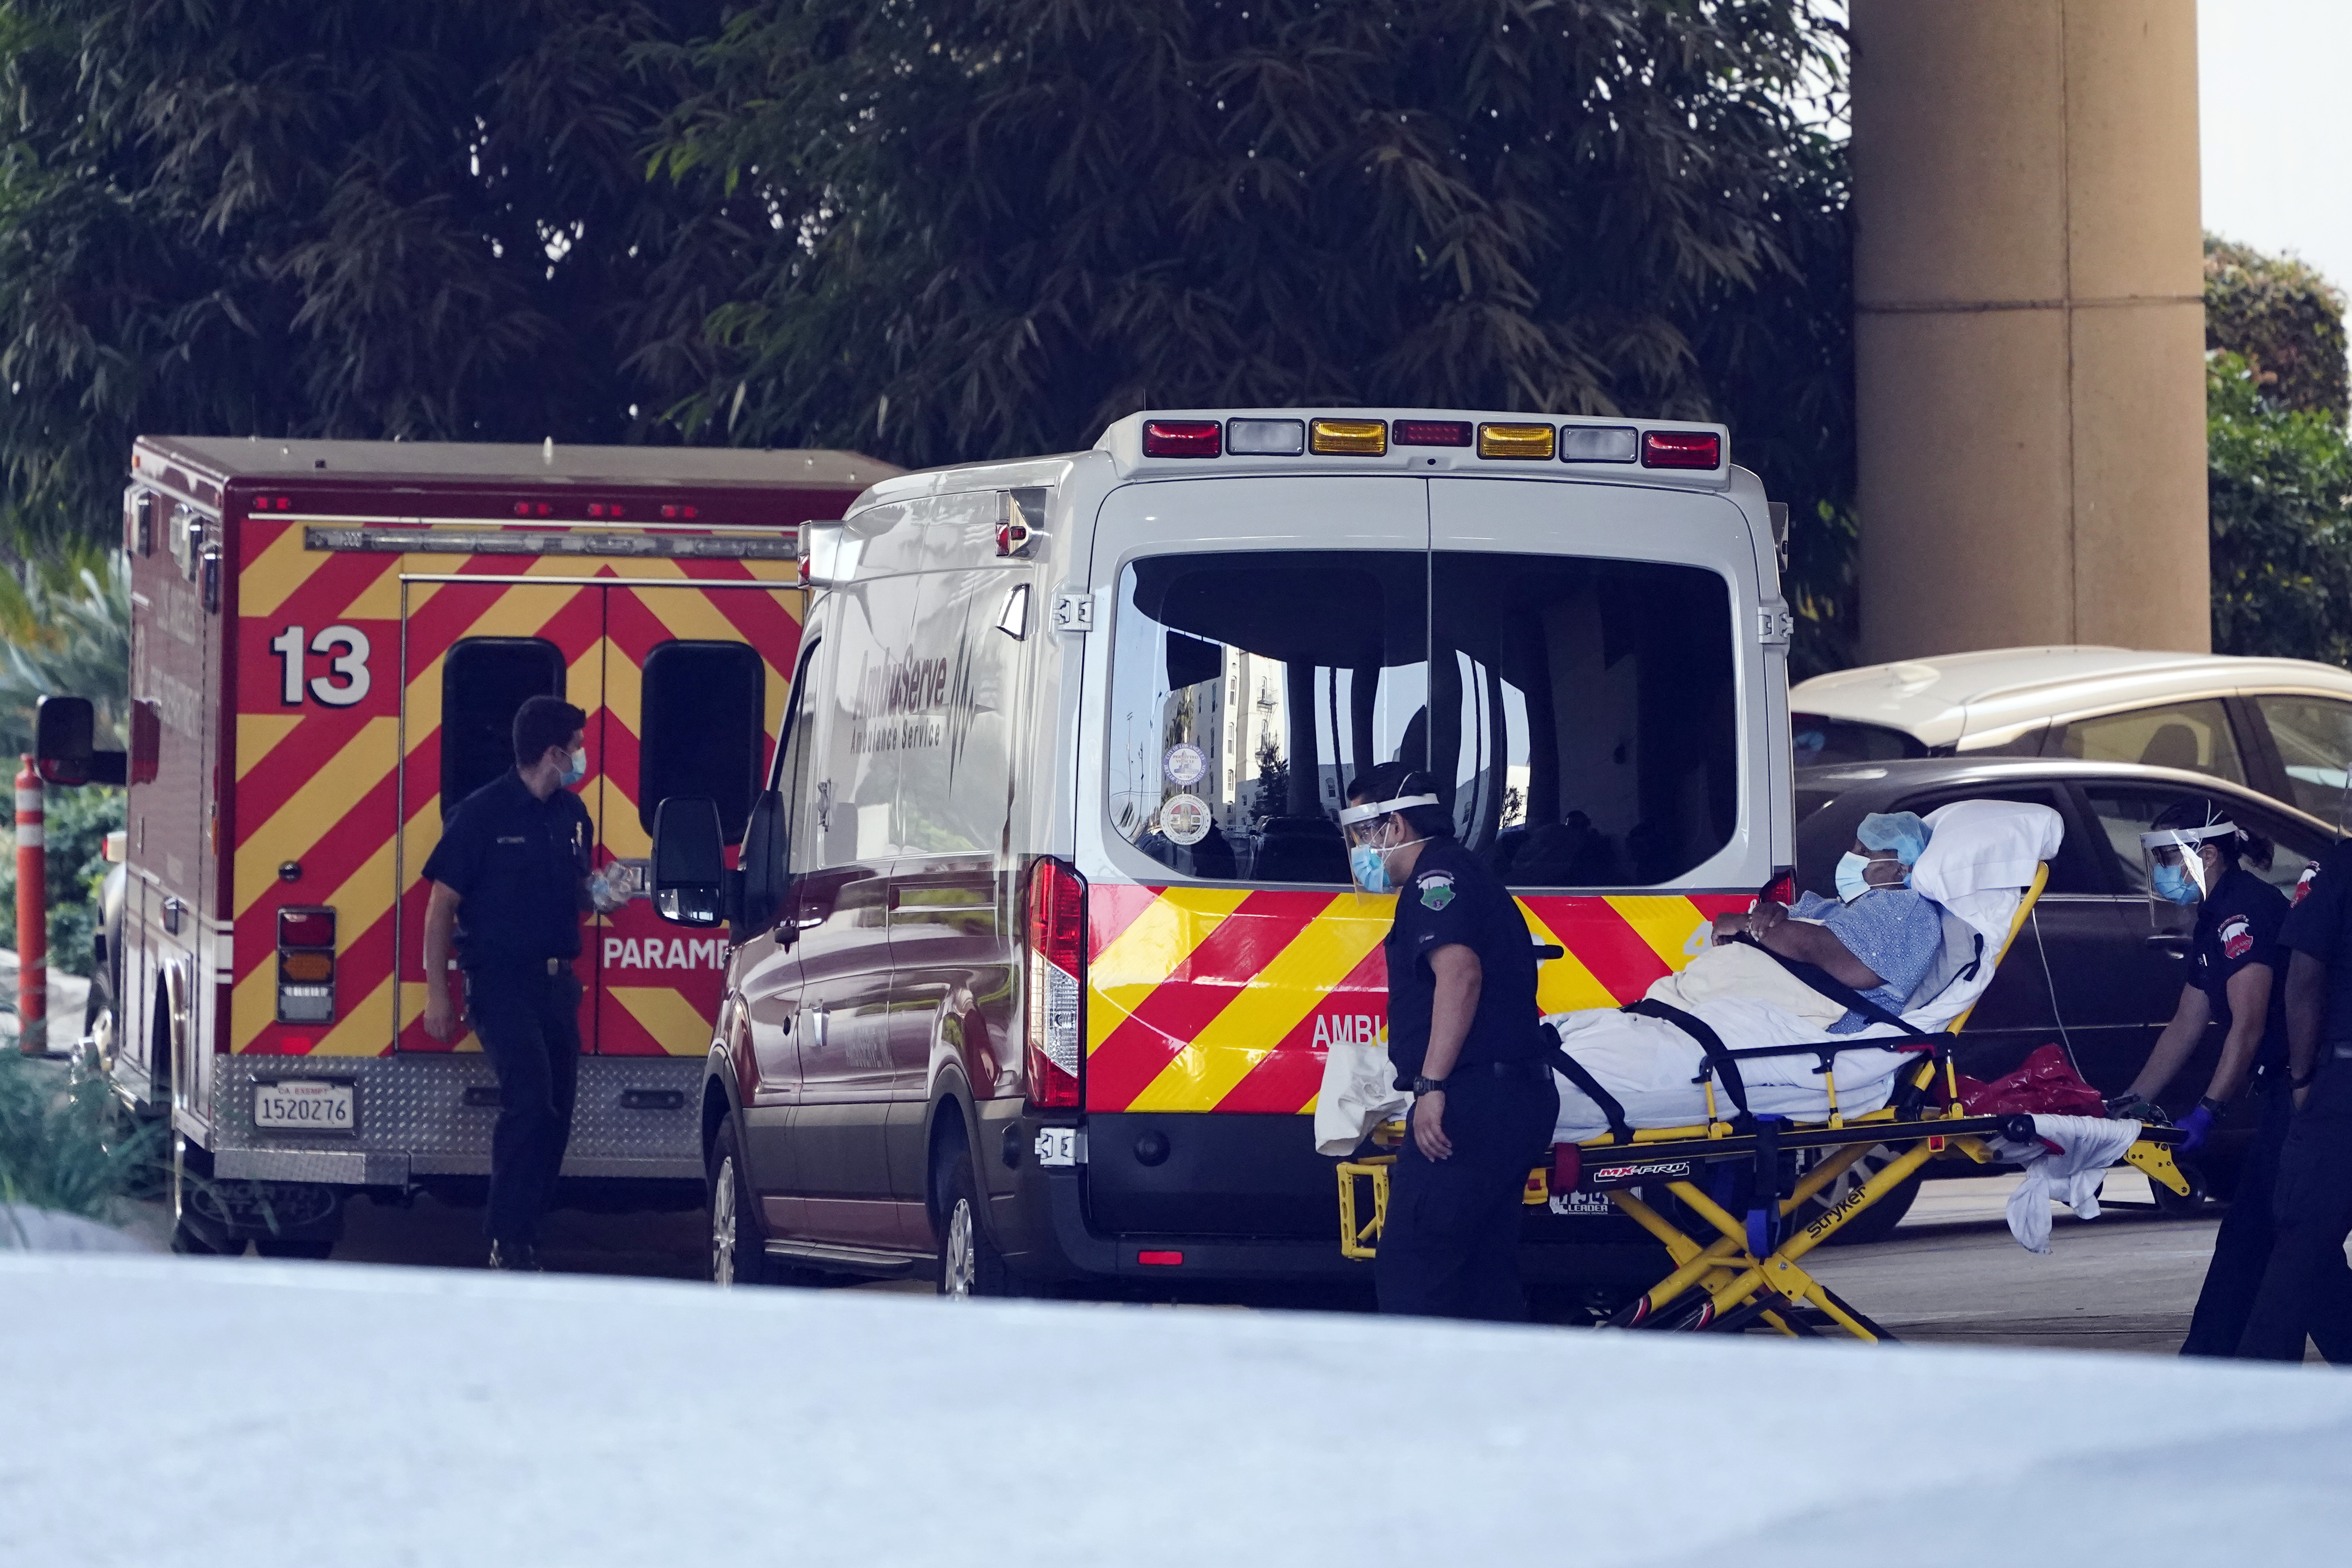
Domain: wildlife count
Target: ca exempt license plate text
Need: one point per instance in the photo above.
(304, 1107)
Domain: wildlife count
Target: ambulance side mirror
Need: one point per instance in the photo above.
(691, 882)
(65, 749)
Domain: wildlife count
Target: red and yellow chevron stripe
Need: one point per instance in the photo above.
(350, 795)
(1205, 998)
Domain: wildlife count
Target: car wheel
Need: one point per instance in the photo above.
(969, 1264)
(739, 1249)
(1875, 1222)
(278, 1246)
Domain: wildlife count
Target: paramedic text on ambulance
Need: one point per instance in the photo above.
(1465, 1036)
(2307, 1289)
(511, 878)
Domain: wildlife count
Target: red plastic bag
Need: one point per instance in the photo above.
(2046, 1083)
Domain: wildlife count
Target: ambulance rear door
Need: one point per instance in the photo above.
(696, 675)
(1598, 713)
(473, 649)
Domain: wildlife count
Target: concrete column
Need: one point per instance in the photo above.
(2029, 325)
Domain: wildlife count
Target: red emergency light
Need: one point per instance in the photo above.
(672, 512)
(1160, 1259)
(1430, 432)
(1183, 438)
(1681, 449)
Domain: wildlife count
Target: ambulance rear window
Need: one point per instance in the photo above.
(701, 711)
(1579, 714)
(483, 681)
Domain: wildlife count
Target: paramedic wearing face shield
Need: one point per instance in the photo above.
(2235, 978)
(1467, 1039)
(511, 880)
(2307, 1289)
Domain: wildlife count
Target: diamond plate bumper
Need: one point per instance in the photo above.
(421, 1116)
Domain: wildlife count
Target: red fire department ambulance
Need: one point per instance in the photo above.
(329, 639)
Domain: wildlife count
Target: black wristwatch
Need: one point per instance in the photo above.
(1427, 1085)
(2218, 1106)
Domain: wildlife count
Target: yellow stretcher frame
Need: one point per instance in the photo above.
(1722, 1284)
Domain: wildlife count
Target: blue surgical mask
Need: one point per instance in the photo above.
(1371, 868)
(575, 768)
(2173, 882)
(1851, 880)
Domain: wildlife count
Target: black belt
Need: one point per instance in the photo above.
(1523, 1067)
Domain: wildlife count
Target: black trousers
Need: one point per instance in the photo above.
(2306, 1288)
(2241, 1248)
(1450, 1248)
(530, 1024)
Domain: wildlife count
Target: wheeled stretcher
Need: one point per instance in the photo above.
(1740, 1167)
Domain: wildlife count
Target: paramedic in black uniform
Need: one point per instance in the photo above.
(2236, 978)
(2307, 1291)
(511, 878)
(1465, 1038)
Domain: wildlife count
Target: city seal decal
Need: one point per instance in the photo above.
(1437, 890)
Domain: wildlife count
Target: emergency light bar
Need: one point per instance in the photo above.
(1306, 436)
(781, 545)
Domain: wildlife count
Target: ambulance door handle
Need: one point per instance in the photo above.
(2174, 945)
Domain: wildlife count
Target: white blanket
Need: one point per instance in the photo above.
(2065, 1164)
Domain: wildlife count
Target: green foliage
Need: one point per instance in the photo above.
(77, 823)
(61, 1146)
(994, 227)
(2279, 485)
(65, 633)
(334, 217)
(2285, 320)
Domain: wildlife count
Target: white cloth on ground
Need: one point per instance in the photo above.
(2066, 1161)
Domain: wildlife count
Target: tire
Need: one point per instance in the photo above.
(738, 1247)
(969, 1264)
(1875, 1222)
(278, 1247)
(190, 1236)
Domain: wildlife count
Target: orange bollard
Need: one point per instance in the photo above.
(32, 917)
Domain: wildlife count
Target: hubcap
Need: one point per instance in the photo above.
(1853, 1176)
(962, 1271)
(722, 1223)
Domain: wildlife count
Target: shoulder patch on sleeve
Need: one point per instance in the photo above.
(1436, 889)
(2302, 883)
(2237, 936)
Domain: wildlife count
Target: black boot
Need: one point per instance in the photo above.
(516, 1257)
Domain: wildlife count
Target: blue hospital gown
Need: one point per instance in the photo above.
(1894, 931)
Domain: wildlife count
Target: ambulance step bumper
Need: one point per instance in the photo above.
(419, 1115)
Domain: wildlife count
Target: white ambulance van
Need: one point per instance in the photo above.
(1043, 925)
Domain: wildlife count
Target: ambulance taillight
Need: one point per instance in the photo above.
(1681, 449)
(306, 965)
(1183, 438)
(1056, 960)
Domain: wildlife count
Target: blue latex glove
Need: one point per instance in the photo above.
(2196, 1124)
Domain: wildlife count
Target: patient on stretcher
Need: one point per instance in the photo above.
(1879, 936)
(1923, 951)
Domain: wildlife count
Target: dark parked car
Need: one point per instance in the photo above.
(2098, 968)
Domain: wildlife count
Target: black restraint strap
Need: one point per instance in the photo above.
(1837, 990)
(1577, 1073)
(1720, 1059)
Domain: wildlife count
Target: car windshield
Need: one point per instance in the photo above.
(1579, 714)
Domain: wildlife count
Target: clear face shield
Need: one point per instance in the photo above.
(2174, 860)
(1372, 830)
